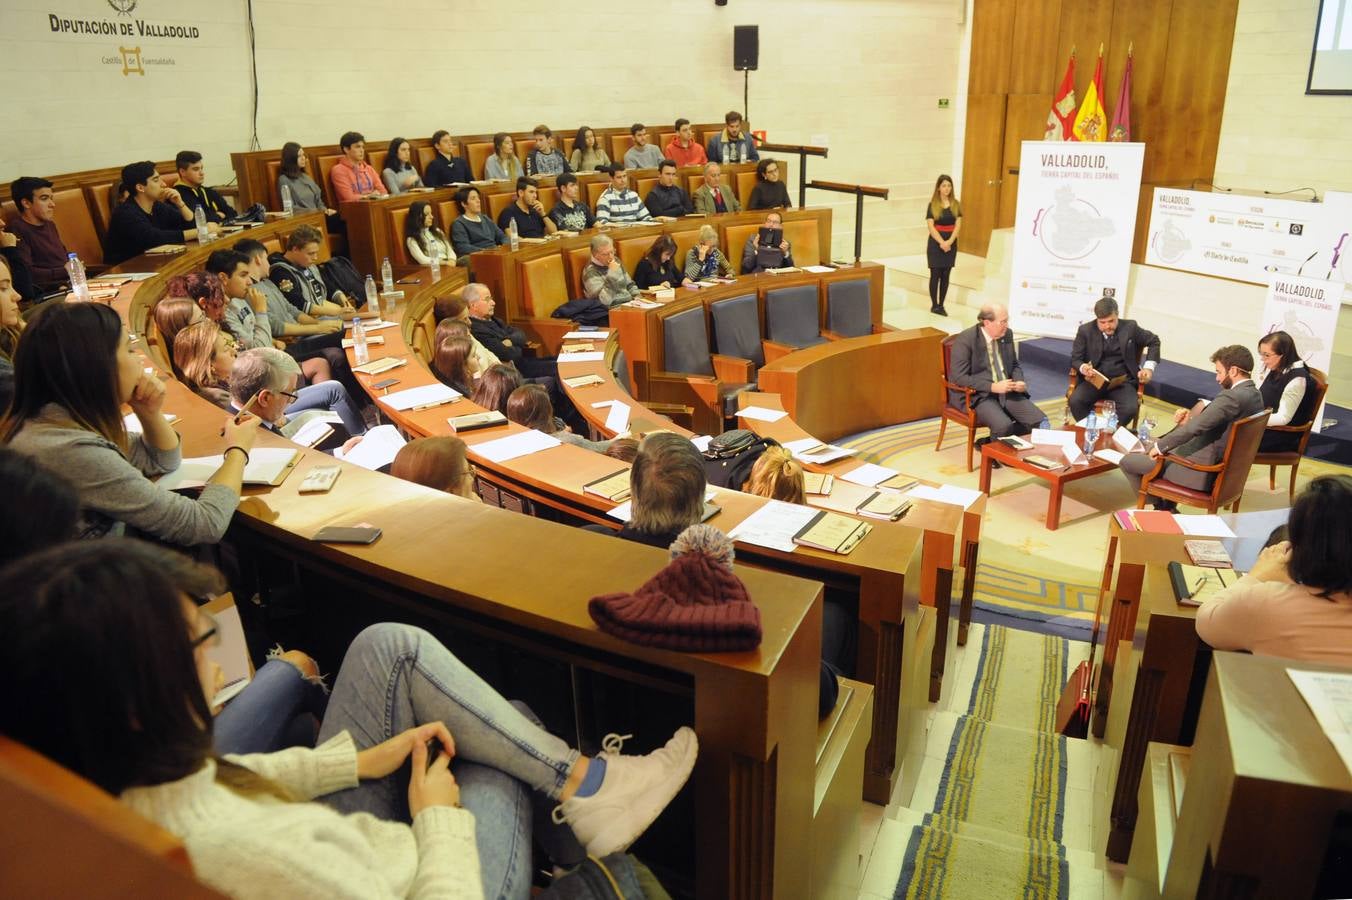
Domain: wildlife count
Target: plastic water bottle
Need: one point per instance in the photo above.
(727, 152)
(1091, 433)
(436, 264)
(199, 217)
(514, 235)
(76, 271)
(372, 297)
(386, 276)
(287, 207)
(359, 348)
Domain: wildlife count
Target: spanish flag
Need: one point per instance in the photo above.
(1091, 124)
(1063, 104)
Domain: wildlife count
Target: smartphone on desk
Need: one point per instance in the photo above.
(409, 281)
(355, 534)
(388, 382)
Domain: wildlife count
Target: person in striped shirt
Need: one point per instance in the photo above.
(617, 204)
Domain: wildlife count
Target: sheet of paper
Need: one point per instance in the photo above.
(701, 442)
(513, 446)
(370, 325)
(231, 653)
(625, 509)
(830, 453)
(1329, 696)
(424, 395)
(869, 474)
(761, 414)
(1124, 440)
(1252, 530)
(588, 356)
(133, 424)
(599, 335)
(818, 270)
(375, 340)
(1206, 526)
(378, 448)
(945, 493)
(617, 420)
(799, 446)
(1107, 455)
(1072, 454)
(774, 525)
(1052, 437)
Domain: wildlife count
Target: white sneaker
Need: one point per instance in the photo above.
(635, 790)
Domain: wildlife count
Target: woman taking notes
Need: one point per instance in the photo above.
(943, 219)
(69, 418)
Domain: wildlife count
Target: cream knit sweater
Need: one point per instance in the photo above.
(262, 847)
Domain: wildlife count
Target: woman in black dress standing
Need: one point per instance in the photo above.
(943, 218)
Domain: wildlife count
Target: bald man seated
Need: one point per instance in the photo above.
(984, 358)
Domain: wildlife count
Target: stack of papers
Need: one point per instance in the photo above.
(378, 448)
(427, 395)
(774, 525)
(869, 474)
(811, 450)
(588, 356)
(599, 334)
(1329, 696)
(370, 325)
(513, 446)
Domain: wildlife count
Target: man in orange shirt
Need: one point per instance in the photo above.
(684, 149)
(353, 177)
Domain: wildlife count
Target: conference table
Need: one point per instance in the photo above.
(997, 451)
(754, 781)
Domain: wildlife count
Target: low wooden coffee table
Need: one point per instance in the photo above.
(996, 451)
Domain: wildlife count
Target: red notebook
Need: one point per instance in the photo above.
(1156, 521)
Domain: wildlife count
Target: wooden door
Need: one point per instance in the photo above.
(982, 156)
(1025, 120)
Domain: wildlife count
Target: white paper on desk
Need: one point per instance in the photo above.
(133, 424)
(1125, 441)
(945, 493)
(585, 356)
(1329, 696)
(265, 464)
(626, 509)
(587, 335)
(1052, 437)
(512, 446)
(378, 447)
(761, 414)
(1074, 456)
(1205, 526)
(818, 270)
(423, 395)
(370, 325)
(617, 420)
(774, 525)
(828, 453)
(374, 341)
(231, 653)
(134, 276)
(1111, 456)
(1252, 530)
(701, 442)
(869, 474)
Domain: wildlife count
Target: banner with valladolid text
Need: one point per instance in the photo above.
(1072, 232)
(1307, 309)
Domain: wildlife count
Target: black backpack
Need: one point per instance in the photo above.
(732, 455)
(340, 275)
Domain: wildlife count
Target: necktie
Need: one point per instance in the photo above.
(718, 199)
(997, 373)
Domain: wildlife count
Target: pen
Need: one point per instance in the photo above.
(240, 415)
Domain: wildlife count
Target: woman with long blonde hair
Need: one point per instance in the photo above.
(776, 475)
(943, 220)
(204, 356)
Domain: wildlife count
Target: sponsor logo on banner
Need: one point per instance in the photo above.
(131, 60)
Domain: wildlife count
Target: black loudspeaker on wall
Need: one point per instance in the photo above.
(745, 47)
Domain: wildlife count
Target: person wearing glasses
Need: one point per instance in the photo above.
(1285, 385)
(270, 378)
(769, 192)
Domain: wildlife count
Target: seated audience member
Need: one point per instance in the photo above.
(769, 192)
(712, 196)
(424, 238)
(172, 314)
(1285, 385)
(503, 164)
(757, 259)
(705, 260)
(683, 148)
(272, 380)
(41, 508)
(985, 359)
(203, 289)
(399, 174)
(353, 178)
(657, 268)
(642, 155)
(529, 406)
(109, 626)
(527, 212)
(21, 280)
(11, 321)
(623, 448)
(495, 387)
(70, 419)
(315, 344)
(451, 309)
(587, 155)
(151, 215)
(204, 356)
(570, 213)
(297, 276)
(545, 158)
(472, 230)
(667, 198)
(731, 145)
(1109, 346)
(455, 365)
(1201, 436)
(440, 463)
(504, 341)
(777, 475)
(603, 278)
(246, 309)
(447, 168)
(295, 177)
(617, 204)
(1296, 601)
(40, 247)
(192, 187)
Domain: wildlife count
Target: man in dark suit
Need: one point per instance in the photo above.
(984, 358)
(1109, 347)
(1201, 434)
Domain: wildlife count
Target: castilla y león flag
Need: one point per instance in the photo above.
(1121, 130)
(1060, 117)
(1090, 122)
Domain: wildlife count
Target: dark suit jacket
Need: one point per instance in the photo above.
(970, 367)
(1202, 438)
(1088, 346)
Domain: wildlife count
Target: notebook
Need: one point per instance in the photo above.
(475, 421)
(832, 532)
(268, 466)
(818, 483)
(884, 505)
(1194, 584)
(613, 487)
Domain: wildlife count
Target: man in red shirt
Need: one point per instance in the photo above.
(684, 149)
(353, 177)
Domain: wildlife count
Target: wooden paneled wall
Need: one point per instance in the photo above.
(1181, 51)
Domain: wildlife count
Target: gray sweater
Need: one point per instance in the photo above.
(115, 491)
(305, 194)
